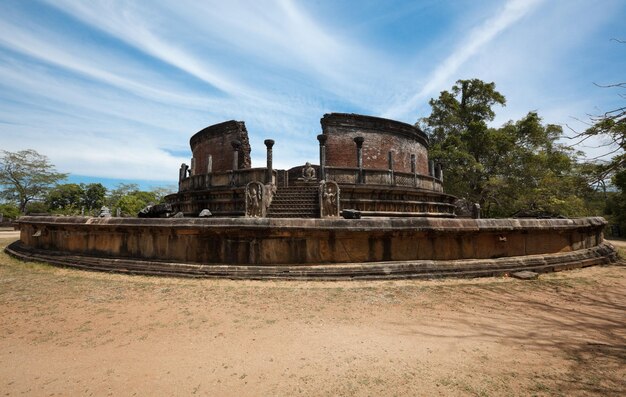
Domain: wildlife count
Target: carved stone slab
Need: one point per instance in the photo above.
(329, 199)
(255, 207)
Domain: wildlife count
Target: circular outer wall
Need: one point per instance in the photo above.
(314, 248)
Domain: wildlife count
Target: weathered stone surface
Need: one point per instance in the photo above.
(265, 241)
(204, 213)
(525, 275)
(155, 211)
(426, 269)
(351, 214)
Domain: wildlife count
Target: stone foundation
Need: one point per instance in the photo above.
(327, 248)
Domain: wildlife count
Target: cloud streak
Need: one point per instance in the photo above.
(477, 39)
(116, 88)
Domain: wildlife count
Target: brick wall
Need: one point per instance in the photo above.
(380, 137)
(216, 141)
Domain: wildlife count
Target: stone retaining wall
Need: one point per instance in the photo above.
(267, 241)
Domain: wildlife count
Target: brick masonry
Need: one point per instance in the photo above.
(216, 141)
(380, 137)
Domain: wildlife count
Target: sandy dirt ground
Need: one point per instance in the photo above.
(69, 332)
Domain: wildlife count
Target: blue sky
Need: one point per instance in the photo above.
(113, 90)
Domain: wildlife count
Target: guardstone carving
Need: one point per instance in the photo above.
(329, 199)
(254, 200)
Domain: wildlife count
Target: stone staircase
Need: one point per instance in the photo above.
(300, 201)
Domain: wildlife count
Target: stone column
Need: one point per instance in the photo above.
(413, 169)
(182, 172)
(269, 143)
(359, 156)
(390, 160)
(431, 168)
(209, 164)
(322, 139)
(438, 172)
(192, 169)
(236, 145)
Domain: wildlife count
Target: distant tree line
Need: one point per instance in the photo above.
(30, 184)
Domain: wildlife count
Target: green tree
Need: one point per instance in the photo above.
(25, 176)
(519, 168)
(9, 210)
(130, 200)
(461, 140)
(93, 196)
(65, 198)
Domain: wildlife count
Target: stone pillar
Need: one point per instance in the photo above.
(322, 139)
(182, 172)
(359, 156)
(236, 145)
(209, 164)
(192, 169)
(390, 160)
(431, 168)
(269, 143)
(438, 172)
(413, 169)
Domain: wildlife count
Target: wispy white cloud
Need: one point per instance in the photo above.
(476, 40)
(116, 88)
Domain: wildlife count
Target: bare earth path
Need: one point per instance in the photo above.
(68, 332)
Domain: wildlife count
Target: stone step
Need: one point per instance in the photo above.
(296, 194)
(297, 189)
(301, 214)
(417, 269)
(294, 209)
(294, 202)
(291, 215)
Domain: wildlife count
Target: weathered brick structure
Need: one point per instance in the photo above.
(213, 151)
(380, 138)
(380, 166)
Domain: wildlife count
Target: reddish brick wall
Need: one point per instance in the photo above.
(216, 141)
(380, 137)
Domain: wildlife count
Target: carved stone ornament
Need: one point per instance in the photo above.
(254, 200)
(329, 199)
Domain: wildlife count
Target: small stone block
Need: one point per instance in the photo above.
(525, 275)
(205, 213)
(351, 214)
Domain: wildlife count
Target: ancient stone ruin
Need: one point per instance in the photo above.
(373, 208)
(376, 167)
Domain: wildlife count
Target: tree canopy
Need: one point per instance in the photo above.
(517, 169)
(72, 198)
(26, 175)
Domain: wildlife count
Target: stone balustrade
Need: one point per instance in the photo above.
(236, 178)
(346, 175)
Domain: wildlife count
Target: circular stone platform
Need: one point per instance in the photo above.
(381, 248)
